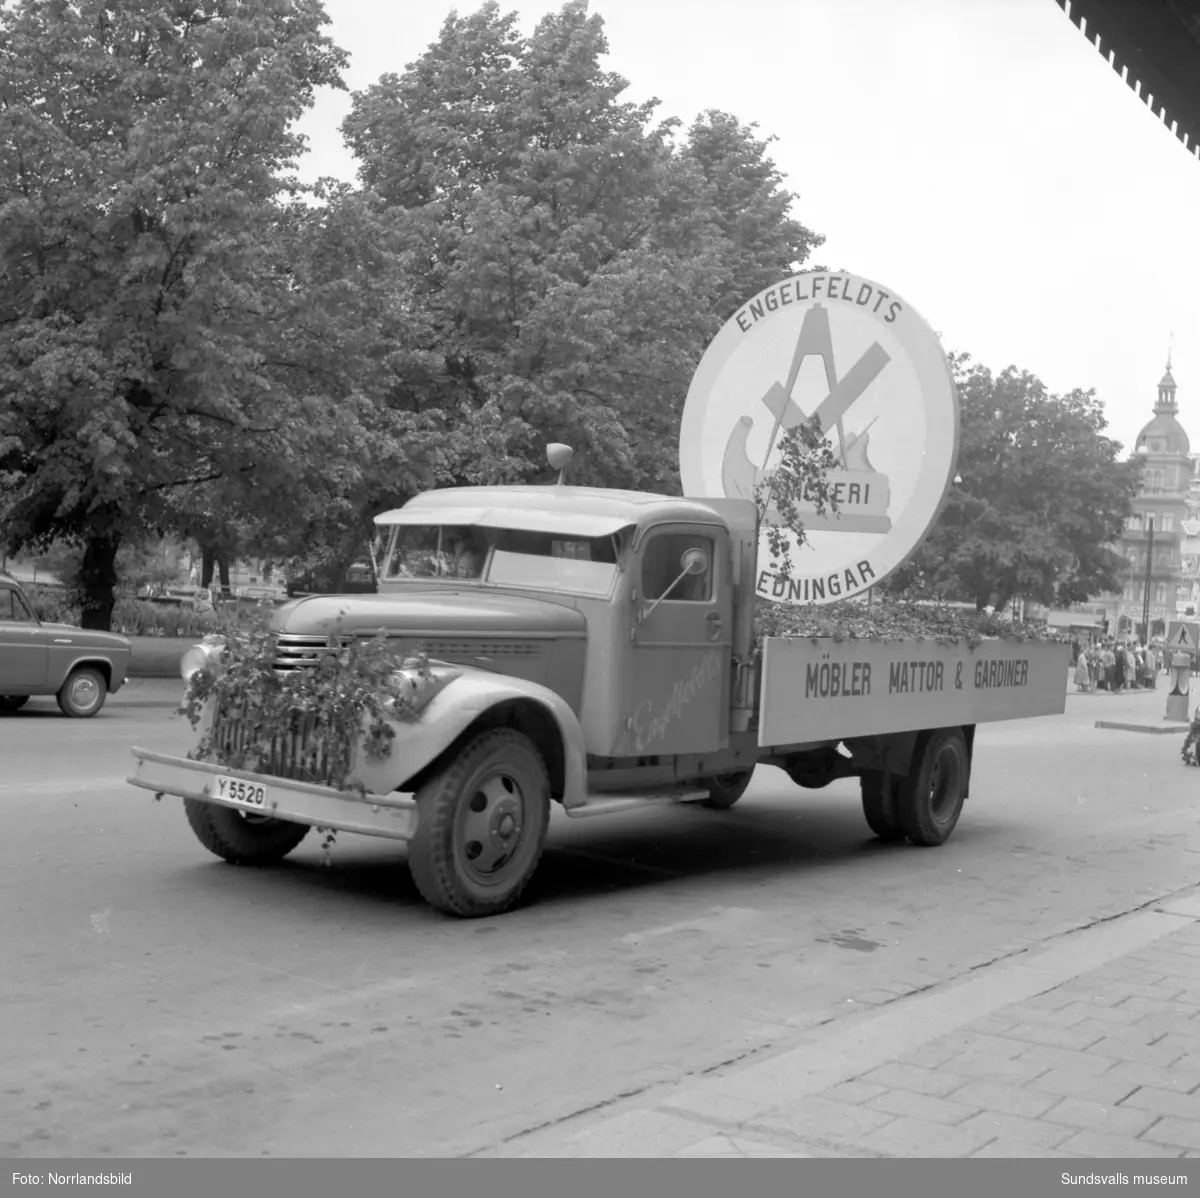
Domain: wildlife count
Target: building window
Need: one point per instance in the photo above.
(1168, 522)
(1160, 594)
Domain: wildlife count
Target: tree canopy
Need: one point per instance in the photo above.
(566, 257)
(1041, 494)
(190, 342)
(152, 340)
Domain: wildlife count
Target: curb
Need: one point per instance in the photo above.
(1152, 729)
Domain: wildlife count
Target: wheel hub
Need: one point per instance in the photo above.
(491, 825)
(506, 824)
(84, 692)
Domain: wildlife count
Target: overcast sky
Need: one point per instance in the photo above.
(978, 156)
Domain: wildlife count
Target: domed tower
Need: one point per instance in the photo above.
(1163, 448)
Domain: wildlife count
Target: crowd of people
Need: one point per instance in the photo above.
(1115, 665)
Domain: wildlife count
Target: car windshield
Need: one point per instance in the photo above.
(505, 556)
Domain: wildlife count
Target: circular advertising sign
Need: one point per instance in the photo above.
(856, 356)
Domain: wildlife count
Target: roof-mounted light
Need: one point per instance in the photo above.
(559, 456)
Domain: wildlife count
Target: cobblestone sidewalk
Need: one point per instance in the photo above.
(1088, 1060)
(1107, 1064)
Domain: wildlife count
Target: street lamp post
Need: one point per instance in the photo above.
(1149, 565)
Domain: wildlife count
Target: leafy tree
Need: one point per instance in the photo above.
(153, 341)
(559, 260)
(1042, 495)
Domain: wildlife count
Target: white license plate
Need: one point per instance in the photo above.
(245, 794)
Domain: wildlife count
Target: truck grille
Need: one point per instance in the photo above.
(295, 651)
(297, 754)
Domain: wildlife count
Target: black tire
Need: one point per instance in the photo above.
(880, 796)
(491, 804)
(725, 789)
(83, 693)
(11, 703)
(242, 839)
(931, 796)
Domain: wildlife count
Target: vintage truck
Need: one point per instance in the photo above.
(596, 649)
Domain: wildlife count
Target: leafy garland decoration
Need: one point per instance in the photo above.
(799, 482)
(323, 706)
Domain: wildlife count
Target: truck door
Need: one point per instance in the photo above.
(677, 696)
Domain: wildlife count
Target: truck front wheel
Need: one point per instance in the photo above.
(242, 839)
(880, 797)
(725, 789)
(481, 826)
(931, 796)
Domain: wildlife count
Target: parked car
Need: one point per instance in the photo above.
(80, 667)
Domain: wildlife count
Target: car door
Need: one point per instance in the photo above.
(24, 654)
(677, 699)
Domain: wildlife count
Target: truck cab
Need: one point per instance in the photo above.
(626, 605)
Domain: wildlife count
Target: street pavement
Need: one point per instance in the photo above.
(764, 981)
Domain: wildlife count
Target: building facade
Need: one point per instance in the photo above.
(1165, 524)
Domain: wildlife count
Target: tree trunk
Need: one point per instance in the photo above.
(223, 570)
(98, 580)
(208, 559)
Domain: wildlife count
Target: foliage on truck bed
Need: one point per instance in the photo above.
(891, 618)
(317, 712)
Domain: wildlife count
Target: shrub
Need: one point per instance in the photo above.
(139, 617)
(52, 605)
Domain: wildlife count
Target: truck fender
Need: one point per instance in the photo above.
(466, 701)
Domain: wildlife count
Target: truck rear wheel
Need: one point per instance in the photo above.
(481, 826)
(242, 839)
(725, 789)
(931, 796)
(880, 796)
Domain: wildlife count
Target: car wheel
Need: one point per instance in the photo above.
(83, 693)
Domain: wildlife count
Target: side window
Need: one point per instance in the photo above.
(12, 607)
(662, 565)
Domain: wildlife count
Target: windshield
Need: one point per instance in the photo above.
(435, 551)
(505, 556)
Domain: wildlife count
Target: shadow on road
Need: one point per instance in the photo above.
(762, 843)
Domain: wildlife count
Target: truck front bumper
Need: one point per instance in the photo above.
(393, 816)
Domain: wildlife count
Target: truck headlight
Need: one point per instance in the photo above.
(415, 688)
(204, 656)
